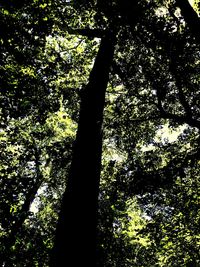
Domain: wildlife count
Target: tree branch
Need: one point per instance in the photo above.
(190, 17)
(180, 119)
(90, 33)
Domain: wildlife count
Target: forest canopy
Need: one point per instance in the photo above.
(99, 133)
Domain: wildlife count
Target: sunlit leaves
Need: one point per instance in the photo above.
(61, 126)
(151, 147)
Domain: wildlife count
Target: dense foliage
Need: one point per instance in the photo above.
(149, 190)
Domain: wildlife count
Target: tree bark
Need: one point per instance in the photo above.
(75, 243)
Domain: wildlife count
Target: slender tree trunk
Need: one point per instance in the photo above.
(75, 243)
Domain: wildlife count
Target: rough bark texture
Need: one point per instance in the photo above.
(75, 243)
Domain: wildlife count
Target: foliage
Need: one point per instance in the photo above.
(149, 193)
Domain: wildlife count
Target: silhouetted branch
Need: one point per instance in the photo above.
(190, 17)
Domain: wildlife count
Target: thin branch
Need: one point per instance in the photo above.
(180, 119)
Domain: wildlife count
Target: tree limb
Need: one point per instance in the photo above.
(190, 17)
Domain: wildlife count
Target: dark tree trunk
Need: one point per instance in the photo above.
(75, 243)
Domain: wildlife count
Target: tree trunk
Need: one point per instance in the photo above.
(75, 243)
